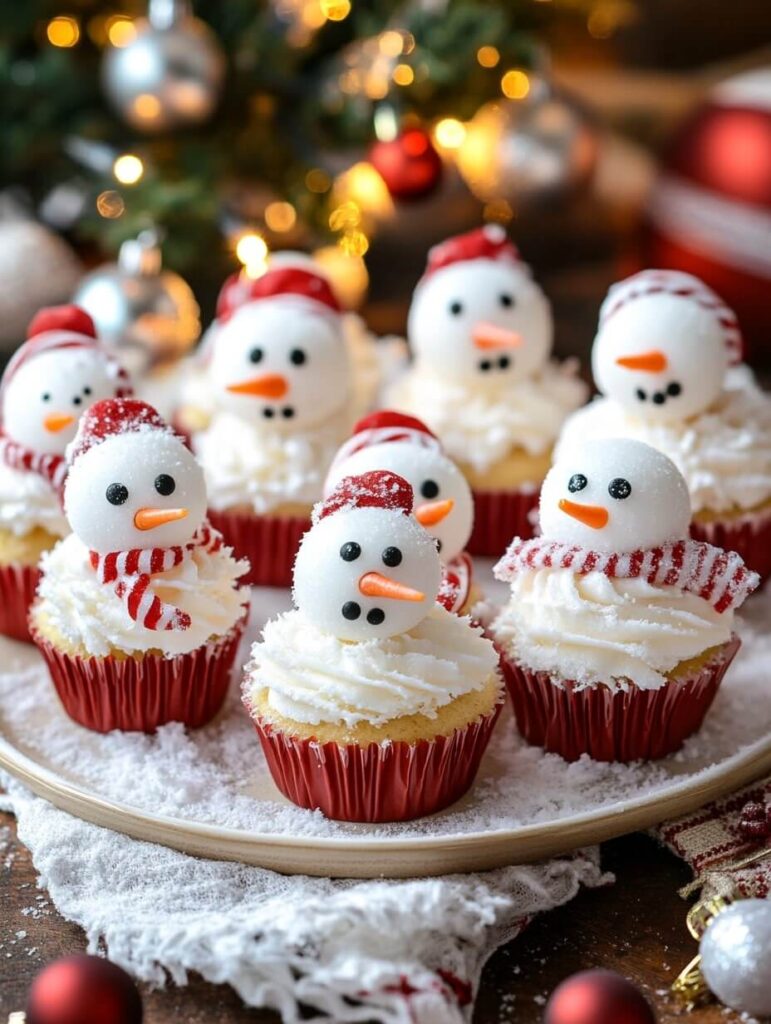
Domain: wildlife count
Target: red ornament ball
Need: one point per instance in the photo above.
(83, 990)
(408, 164)
(598, 997)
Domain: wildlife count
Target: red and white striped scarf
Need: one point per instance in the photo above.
(717, 576)
(132, 571)
(455, 587)
(52, 468)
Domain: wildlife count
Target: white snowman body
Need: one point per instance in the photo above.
(282, 362)
(46, 396)
(614, 495)
(140, 489)
(351, 559)
(484, 319)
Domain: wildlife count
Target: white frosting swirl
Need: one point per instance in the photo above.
(481, 421)
(27, 502)
(312, 677)
(594, 629)
(724, 453)
(90, 615)
(261, 468)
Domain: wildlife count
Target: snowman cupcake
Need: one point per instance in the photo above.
(56, 374)
(279, 373)
(372, 701)
(619, 629)
(661, 359)
(480, 330)
(443, 503)
(139, 611)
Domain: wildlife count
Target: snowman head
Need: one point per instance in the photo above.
(615, 495)
(132, 482)
(279, 357)
(404, 445)
(664, 344)
(59, 371)
(366, 569)
(477, 314)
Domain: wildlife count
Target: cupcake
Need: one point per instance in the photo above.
(372, 701)
(662, 359)
(480, 330)
(619, 628)
(139, 612)
(59, 370)
(279, 375)
(443, 503)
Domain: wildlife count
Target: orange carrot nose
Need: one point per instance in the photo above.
(57, 421)
(648, 362)
(432, 512)
(372, 584)
(590, 515)
(269, 385)
(490, 336)
(150, 518)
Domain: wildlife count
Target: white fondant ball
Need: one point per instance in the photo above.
(61, 382)
(134, 461)
(686, 334)
(449, 305)
(290, 339)
(324, 582)
(736, 956)
(642, 491)
(432, 476)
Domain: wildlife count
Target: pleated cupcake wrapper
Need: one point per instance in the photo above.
(613, 725)
(141, 694)
(269, 542)
(749, 536)
(499, 516)
(381, 782)
(18, 584)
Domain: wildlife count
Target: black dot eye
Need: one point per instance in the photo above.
(438, 545)
(117, 494)
(619, 488)
(456, 308)
(87, 391)
(485, 365)
(391, 557)
(297, 356)
(268, 413)
(659, 398)
(577, 482)
(641, 394)
(350, 551)
(504, 362)
(287, 412)
(77, 400)
(375, 616)
(506, 300)
(351, 610)
(46, 396)
(674, 389)
(165, 484)
(255, 356)
(429, 488)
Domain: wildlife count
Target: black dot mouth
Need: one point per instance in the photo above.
(673, 390)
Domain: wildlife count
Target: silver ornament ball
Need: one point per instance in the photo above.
(538, 147)
(736, 957)
(168, 75)
(148, 315)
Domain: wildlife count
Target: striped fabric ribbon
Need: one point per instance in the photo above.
(455, 587)
(52, 468)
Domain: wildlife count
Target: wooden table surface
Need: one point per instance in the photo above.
(636, 927)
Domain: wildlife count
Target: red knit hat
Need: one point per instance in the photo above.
(385, 427)
(487, 243)
(111, 417)
(378, 489)
(677, 282)
(298, 281)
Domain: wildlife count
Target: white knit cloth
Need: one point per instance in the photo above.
(351, 950)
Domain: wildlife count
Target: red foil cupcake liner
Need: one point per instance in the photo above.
(270, 544)
(499, 516)
(613, 725)
(749, 536)
(18, 584)
(139, 695)
(381, 782)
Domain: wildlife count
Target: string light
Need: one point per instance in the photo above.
(515, 85)
(128, 169)
(336, 10)
(362, 185)
(252, 250)
(147, 107)
(280, 216)
(317, 180)
(63, 31)
(449, 133)
(120, 30)
(488, 56)
(403, 74)
(354, 243)
(110, 204)
(391, 43)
